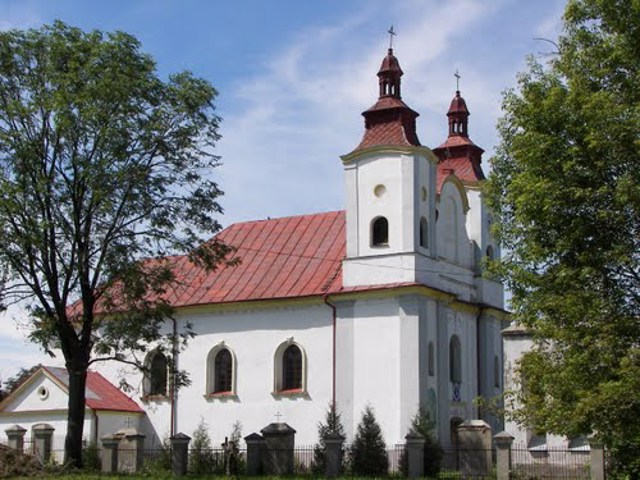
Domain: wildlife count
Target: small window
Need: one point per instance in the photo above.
(496, 371)
(156, 378)
(424, 233)
(290, 369)
(380, 232)
(489, 252)
(431, 360)
(221, 367)
(455, 360)
(223, 371)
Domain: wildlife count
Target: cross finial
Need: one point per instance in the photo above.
(278, 415)
(392, 34)
(457, 75)
(128, 422)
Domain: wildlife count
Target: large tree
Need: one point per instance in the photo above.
(566, 184)
(102, 163)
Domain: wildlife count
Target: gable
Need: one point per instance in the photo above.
(38, 393)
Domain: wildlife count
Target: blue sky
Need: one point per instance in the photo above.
(293, 77)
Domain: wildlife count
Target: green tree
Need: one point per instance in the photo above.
(332, 424)
(368, 454)
(422, 424)
(565, 182)
(102, 163)
(8, 386)
(202, 459)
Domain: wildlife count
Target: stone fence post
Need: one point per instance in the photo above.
(180, 454)
(474, 447)
(503, 442)
(130, 450)
(596, 459)
(109, 460)
(255, 444)
(333, 442)
(15, 436)
(415, 455)
(43, 438)
(279, 439)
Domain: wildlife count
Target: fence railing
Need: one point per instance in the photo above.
(550, 462)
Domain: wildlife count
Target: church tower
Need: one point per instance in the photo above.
(390, 191)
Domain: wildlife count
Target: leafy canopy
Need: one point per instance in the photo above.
(102, 164)
(566, 182)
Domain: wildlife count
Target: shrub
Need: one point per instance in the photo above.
(202, 459)
(90, 457)
(236, 463)
(13, 464)
(423, 425)
(368, 454)
(333, 424)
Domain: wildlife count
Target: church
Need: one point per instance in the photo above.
(382, 304)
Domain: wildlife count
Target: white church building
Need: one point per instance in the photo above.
(382, 304)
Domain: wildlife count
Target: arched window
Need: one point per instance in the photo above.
(431, 360)
(290, 369)
(221, 366)
(156, 377)
(455, 360)
(424, 233)
(496, 371)
(223, 371)
(489, 253)
(380, 232)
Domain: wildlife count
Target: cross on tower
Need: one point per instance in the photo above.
(457, 75)
(392, 34)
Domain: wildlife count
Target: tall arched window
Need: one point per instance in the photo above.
(156, 378)
(223, 372)
(424, 233)
(455, 360)
(292, 368)
(380, 232)
(221, 366)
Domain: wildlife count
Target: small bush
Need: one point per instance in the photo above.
(368, 454)
(159, 464)
(90, 457)
(332, 424)
(236, 463)
(202, 459)
(13, 464)
(423, 425)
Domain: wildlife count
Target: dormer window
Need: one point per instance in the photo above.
(380, 232)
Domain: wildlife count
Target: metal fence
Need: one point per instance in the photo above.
(551, 462)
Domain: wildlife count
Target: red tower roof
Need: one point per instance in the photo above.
(458, 154)
(389, 121)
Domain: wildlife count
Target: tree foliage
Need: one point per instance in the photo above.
(566, 182)
(368, 454)
(102, 164)
(332, 424)
(423, 425)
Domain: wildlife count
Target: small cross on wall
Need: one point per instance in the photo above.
(278, 415)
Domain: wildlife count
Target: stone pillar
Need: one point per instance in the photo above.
(109, 460)
(415, 455)
(474, 448)
(255, 444)
(333, 460)
(130, 450)
(180, 454)
(279, 440)
(503, 442)
(596, 458)
(43, 438)
(15, 435)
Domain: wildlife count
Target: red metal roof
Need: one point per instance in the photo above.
(279, 258)
(465, 169)
(100, 393)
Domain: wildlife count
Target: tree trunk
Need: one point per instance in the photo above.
(75, 418)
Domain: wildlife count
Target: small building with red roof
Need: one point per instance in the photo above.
(42, 398)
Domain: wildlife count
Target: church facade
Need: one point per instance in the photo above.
(382, 304)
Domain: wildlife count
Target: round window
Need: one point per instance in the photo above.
(380, 190)
(43, 393)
